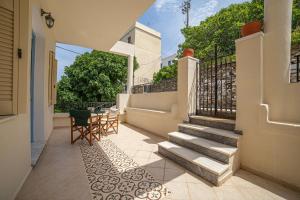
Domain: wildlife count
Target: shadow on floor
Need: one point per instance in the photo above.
(154, 138)
(114, 175)
(60, 174)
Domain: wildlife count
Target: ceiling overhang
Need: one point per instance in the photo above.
(96, 24)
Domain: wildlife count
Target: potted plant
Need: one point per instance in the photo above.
(251, 27)
(188, 52)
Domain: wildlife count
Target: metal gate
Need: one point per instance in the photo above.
(216, 87)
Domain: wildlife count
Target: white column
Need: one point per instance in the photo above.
(277, 28)
(249, 91)
(186, 82)
(130, 74)
(283, 98)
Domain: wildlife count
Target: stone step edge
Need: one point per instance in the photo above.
(211, 130)
(172, 134)
(161, 145)
(213, 119)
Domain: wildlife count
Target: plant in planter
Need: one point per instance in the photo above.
(188, 52)
(251, 28)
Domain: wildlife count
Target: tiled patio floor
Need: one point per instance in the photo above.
(60, 173)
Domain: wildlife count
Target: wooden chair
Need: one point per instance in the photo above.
(88, 126)
(103, 123)
(112, 122)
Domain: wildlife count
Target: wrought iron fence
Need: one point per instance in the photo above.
(216, 87)
(167, 85)
(93, 106)
(295, 68)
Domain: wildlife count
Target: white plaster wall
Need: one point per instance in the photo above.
(162, 101)
(161, 112)
(15, 155)
(61, 120)
(158, 122)
(154, 112)
(15, 148)
(283, 98)
(268, 148)
(131, 34)
(165, 61)
(123, 48)
(147, 49)
(148, 54)
(122, 102)
(45, 42)
(186, 86)
(39, 79)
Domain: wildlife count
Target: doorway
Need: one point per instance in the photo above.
(37, 138)
(32, 69)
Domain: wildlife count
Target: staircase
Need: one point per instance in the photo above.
(206, 146)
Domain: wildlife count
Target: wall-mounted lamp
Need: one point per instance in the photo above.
(49, 19)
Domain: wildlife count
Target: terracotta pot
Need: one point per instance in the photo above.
(188, 52)
(250, 28)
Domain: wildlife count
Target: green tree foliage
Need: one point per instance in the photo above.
(296, 23)
(221, 29)
(136, 65)
(165, 73)
(96, 76)
(296, 15)
(296, 36)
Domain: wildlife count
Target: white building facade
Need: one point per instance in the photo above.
(167, 61)
(147, 50)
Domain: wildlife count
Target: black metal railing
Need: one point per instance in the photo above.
(295, 68)
(166, 85)
(93, 106)
(216, 87)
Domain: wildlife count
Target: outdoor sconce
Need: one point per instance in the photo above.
(49, 19)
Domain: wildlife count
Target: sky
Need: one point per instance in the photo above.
(164, 16)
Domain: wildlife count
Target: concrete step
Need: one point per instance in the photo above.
(211, 170)
(213, 122)
(218, 151)
(215, 134)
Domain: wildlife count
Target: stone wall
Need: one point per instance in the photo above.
(167, 85)
(295, 51)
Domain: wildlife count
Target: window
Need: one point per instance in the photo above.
(8, 57)
(161, 65)
(129, 39)
(169, 62)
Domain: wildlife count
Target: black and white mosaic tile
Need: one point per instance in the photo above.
(113, 175)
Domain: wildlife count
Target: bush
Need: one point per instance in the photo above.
(296, 36)
(165, 73)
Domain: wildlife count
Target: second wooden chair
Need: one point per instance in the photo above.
(88, 126)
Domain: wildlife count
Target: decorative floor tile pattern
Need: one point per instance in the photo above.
(113, 175)
(60, 173)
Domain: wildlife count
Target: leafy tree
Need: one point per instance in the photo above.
(223, 28)
(296, 36)
(64, 91)
(96, 76)
(296, 23)
(296, 15)
(136, 65)
(165, 73)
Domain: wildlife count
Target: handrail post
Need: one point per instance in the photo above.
(298, 80)
(216, 80)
